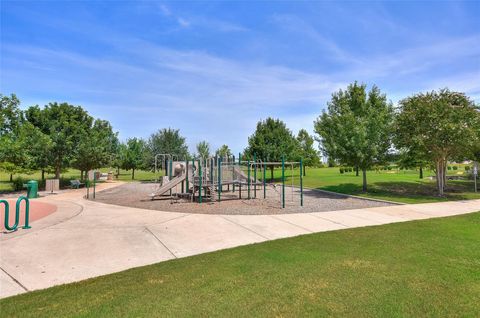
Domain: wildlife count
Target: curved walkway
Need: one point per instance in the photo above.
(85, 239)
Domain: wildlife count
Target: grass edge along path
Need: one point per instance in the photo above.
(428, 268)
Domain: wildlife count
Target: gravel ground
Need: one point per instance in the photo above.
(137, 195)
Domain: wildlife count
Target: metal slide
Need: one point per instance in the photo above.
(169, 185)
(243, 176)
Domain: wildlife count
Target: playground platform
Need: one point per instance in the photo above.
(85, 239)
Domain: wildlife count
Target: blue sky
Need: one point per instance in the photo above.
(213, 69)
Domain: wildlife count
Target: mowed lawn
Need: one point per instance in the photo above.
(428, 268)
(394, 185)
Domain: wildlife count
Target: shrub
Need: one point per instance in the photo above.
(342, 170)
(18, 183)
(449, 168)
(467, 168)
(455, 167)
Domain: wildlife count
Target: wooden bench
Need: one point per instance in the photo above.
(76, 184)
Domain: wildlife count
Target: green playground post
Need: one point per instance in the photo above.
(233, 173)
(248, 177)
(301, 182)
(219, 178)
(27, 211)
(171, 169)
(212, 161)
(240, 167)
(186, 176)
(199, 181)
(255, 176)
(264, 175)
(283, 181)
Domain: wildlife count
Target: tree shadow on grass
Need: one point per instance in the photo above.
(420, 190)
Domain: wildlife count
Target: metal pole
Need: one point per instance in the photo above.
(199, 181)
(264, 176)
(248, 177)
(233, 174)
(27, 211)
(219, 178)
(301, 182)
(193, 181)
(255, 176)
(212, 179)
(283, 181)
(240, 183)
(186, 177)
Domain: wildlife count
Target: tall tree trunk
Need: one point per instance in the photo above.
(57, 172)
(271, 173)
(364, 187)
(356, 171)
(133, 174)
(11, 177)
(421, 172)
(445, 163)
(43, 174)
(304, 170)
(440, 174)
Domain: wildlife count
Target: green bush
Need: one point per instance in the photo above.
(449, 168)
(467, 168)
(18, 183)
(455, 167)
(342, 170)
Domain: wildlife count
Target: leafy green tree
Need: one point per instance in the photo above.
(119, 156)
(65, 125)
(96, 147)
(408, 159)
(37, 147)
(223, 151)
(438, 126)
(272, 140)
(134, 156)
(308, 153)
(10, 114)
(203, 149)
(356, 129)
(166, 141)
(12, 153)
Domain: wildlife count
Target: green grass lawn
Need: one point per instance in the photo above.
(428, 268)
(399, 186)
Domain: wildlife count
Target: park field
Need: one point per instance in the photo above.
(402, 186)
(425, 268)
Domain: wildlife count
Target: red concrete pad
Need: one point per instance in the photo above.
(38, 210)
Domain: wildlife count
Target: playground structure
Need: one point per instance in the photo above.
(209, 179)
(17, 214)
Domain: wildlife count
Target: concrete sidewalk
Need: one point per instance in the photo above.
(86, 239)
